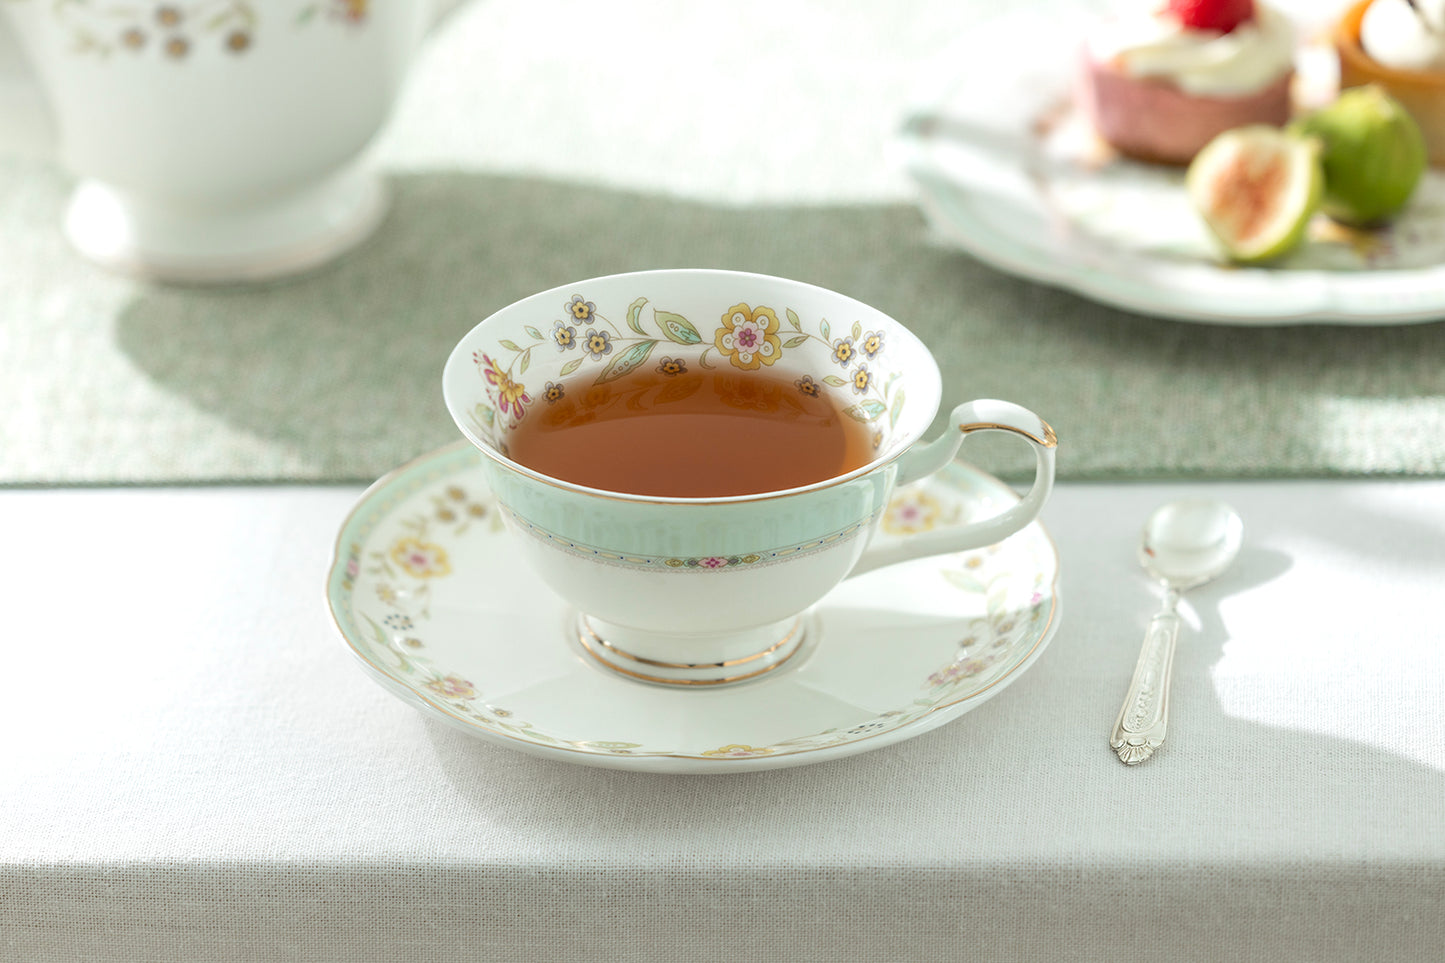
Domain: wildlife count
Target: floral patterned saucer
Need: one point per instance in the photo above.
(427, 593)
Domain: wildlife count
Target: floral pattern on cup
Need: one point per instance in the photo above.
(745, 338)
(393, 604)
(175, 30)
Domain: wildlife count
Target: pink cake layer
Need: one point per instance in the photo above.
(1153, 120)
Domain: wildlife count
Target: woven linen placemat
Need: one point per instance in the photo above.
(514, 169)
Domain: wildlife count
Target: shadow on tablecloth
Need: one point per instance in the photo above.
(335, 376)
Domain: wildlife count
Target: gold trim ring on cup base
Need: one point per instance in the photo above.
(751, 666)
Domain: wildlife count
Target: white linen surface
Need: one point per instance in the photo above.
(194, 768)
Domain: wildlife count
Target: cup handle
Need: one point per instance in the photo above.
(921, 461)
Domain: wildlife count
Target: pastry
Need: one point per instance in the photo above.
(1160, 85)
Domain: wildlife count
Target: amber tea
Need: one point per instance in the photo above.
(675, 432)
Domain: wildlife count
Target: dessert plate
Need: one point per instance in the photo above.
(1009, 171)
(427, 593)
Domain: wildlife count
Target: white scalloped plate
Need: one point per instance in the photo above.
(1010, 172)
(425, 589)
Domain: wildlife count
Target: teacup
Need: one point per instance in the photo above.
(707, 591)
(213, 141)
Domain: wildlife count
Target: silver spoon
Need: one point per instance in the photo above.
(1186, 543)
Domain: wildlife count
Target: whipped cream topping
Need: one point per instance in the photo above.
(1201, 62)
(1397, 36)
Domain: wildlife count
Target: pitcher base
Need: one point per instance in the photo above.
(257, 242)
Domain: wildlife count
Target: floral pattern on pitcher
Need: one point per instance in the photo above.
(744, 338)
(177, 30)
(392, 600)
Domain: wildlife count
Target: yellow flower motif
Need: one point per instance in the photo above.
(581, 309)
(421, 559)
(736, 751)
(911, 512)
(749, 337)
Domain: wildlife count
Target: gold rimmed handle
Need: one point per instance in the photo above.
(1045, 438)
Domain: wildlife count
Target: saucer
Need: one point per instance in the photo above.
(427, 592)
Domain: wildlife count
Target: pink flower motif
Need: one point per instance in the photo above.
(737, 751)
(511, 395)
(453, 687)
(961, 669)
(914, 511)
(421, 559)
(713, 562)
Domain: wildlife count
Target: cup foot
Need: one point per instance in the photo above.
(258, 242)
(691, 662)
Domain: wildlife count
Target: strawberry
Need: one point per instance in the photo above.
(1221, 15)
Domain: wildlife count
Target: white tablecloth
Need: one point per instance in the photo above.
(193, 767)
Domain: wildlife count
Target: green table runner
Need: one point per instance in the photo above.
(336, 376)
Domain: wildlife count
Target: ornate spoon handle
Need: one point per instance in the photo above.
(1144, 716)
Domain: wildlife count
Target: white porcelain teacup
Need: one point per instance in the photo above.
(213, 140)
(704, 591)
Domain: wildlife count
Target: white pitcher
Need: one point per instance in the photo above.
(212, 140)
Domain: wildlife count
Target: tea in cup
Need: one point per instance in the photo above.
(693, 458)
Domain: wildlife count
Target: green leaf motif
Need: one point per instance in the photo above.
(793, 320)
(571, 366)
(510, 346)
(634, 315)
(835, 381)
(896, 410)
(800, 340)
(827, 331)
(857, 330)
(965, 581)
(676, 327)
(866, 411)
(629, 360)
(526, 361)
(536, 335)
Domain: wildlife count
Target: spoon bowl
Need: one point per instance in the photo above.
(1191, 542)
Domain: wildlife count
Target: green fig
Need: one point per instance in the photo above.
(1256, 188)
(1372, 152)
